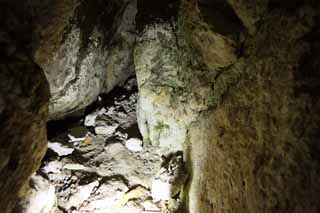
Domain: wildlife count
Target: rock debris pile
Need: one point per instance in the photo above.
(100, 164)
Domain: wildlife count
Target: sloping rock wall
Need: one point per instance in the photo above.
(84, 47)
(255, 149)
(237, 88)
(24, 98)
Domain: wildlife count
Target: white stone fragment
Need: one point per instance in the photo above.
(73, 139)
(134, 144)
(74, 166)
(60, 149)
(90, 120)
(161, 190)
(106, 130)
(149, 206)
(53, 167)
(40, 197)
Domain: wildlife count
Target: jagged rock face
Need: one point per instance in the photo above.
(255, 149)
(166, 104)
(24, 97)
(160, 121)
(233, 83)
(85, 48)
(24, 108)
(240, 83)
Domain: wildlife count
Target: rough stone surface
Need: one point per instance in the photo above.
(40, 197)
(169, 180)
(85, 48)
(24, 96)
(60, 149)
(161, 121)
(240, 79)
(255, 149)
(134, 144)
(233, 83)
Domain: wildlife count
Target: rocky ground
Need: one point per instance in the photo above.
(100, 164)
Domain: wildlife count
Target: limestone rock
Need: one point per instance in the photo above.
(243, 150)
(39, 198)
(134, 144)
(161, 121)
(170, 179)
(90, 120)
(105, 125)
(53, 167)
(135, 200)
(60, 149)
(105, 196)
(24, 96)
(81, 54)
(83, 193)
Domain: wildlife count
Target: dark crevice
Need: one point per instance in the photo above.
(58, 127)
(220, 16)
(151, 12)
(287, 5)
(307, 74)
(307, 77)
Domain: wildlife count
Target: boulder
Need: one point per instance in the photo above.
(85, 48)
(134, 144)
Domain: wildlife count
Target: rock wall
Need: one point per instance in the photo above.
(234, 83)
(255, 149)
(84, 47)
(24, 97)
(167, 103)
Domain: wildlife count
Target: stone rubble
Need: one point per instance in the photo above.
(102, 165)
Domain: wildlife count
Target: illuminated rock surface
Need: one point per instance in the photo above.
(85, 48)
(234, 84)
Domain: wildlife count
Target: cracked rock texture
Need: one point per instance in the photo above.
(84, 47)
(256, 148)
(235, 83)
(24, 97)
